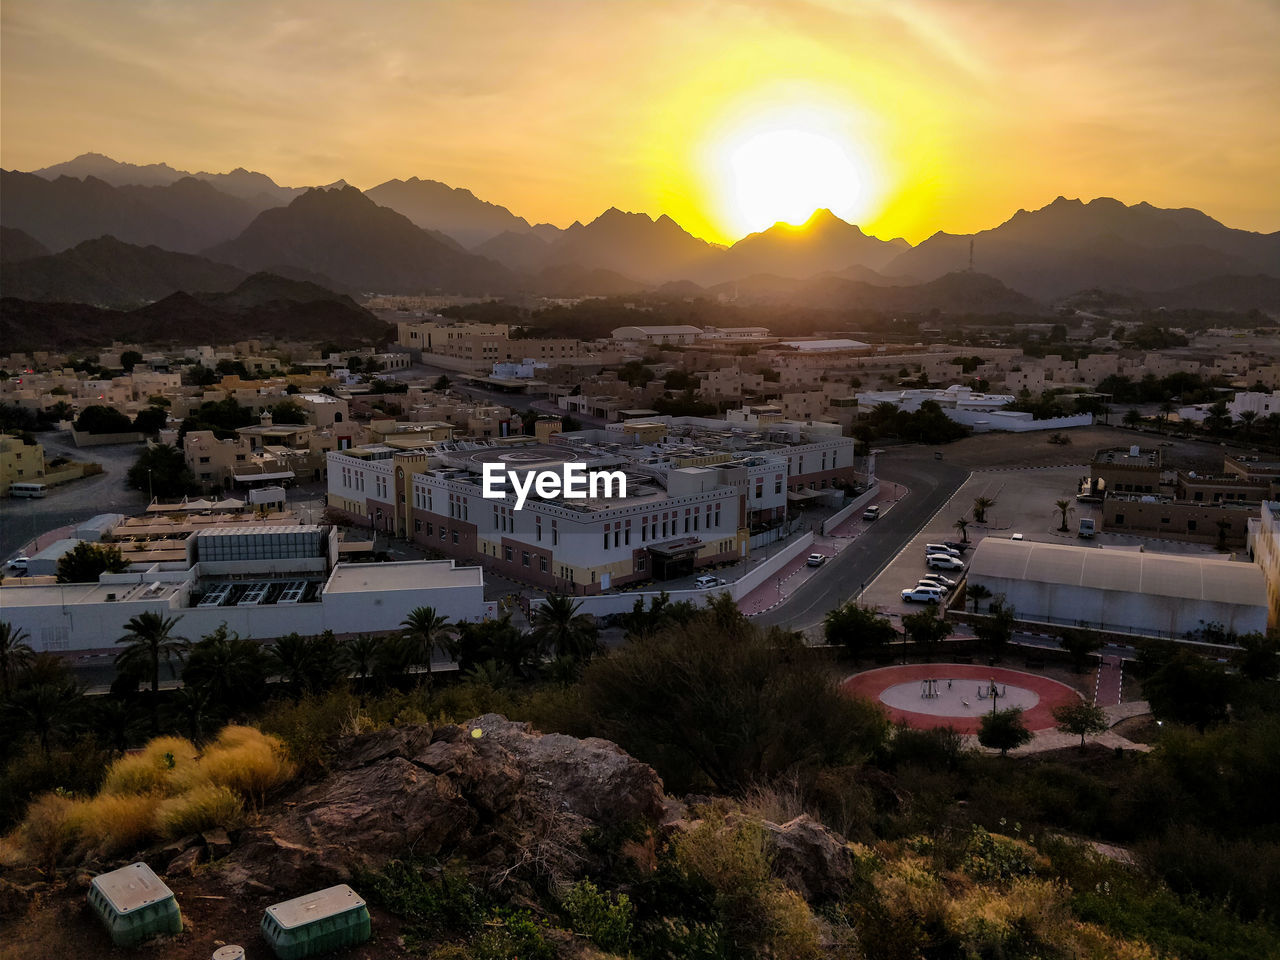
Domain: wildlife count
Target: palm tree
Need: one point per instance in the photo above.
(45, 708)
(295, 658)
(1247, 417)
(963, 526)
(15, 653)
(360, 654)
(1132, 418)
(558, 625)
(149, 640)
(1166, 408)
(977, 593)
(230, 671)
(980, 507)
(192, 703)
(425, 630)
(1064, 507)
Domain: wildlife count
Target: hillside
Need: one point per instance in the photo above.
(18, 245)
(454, 211)
(342, 234)
(242, 183)
(109, 272)
(634, 245)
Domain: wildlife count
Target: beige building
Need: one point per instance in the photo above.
(19, 462)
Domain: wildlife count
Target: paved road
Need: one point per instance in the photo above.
(931, 484)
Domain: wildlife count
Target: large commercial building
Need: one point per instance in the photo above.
(695, 496)
(1125, 591)
(263, 581)
(1264, 546)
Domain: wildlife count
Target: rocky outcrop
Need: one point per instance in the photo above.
(814, 861)
(514, 802)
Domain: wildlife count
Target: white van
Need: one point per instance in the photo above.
(702, 583)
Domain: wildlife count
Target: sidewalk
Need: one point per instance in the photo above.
(777, 589)
(1107, 691)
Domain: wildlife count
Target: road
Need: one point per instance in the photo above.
(23, 520)
(931, 484)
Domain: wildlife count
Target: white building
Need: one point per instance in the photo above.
(262, 582)
(1148, 594)
(981, 411)
(526, 369)
(658, 334)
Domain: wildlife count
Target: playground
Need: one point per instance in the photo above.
(956, 695)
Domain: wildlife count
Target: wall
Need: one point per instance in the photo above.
(104, 439)
(845, 513)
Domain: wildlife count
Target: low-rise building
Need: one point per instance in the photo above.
(20, 462)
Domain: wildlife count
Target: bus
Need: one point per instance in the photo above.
(27, 490)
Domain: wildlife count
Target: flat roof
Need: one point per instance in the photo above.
(1179, 576)
(401, 575)
(274, 529)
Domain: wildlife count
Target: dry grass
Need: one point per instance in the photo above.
(110, 824)
(247, 761)
(164, 765)
(197, 810)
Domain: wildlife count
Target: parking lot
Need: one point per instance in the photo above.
(1024, 503)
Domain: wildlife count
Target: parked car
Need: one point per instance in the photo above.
(922, 595)
(1015, 536)
(932, 548)
(708, 581)
(940, 580)
(871, 513)
(928, 584)
(1087, 528)
(943, 561)
(957, 545)
(816, 559)
(19, 563)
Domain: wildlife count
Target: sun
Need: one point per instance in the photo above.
(784, 175)
(785, 161)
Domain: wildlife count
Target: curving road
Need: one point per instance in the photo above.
(930, 483)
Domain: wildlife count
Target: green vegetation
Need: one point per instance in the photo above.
(100, 419)
(161, 471)
(926, 425)
(86, 561)
(1003, 730)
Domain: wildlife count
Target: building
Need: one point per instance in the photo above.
(980, 411)
(20, 462)
(262, 581)
(1124, 591)
(1224, 523)
(696, 495)
(1127, 470)
(1264, 547)
(676, 333)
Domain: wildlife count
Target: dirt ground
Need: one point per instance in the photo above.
(60, 926)
(985, 451)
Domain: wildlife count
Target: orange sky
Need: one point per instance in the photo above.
(948, 115)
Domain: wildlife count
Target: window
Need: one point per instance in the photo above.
(1191, 526)
(1119, 519)
(455, 536)
(606, 539)
(641, 561)
(542, 564)
(524, 558)
(204, 459)
(508, 554)
(444, 532)
(417, 526)
(777, 486)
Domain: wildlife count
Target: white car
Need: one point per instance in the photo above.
(871, 513)
(934, 584)
(702, 583)
(941, 581)
(943, 561)
(933, 548)
(922, 595)
(19, 563)
(816, 559)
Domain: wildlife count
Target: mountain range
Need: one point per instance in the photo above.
(417, 235)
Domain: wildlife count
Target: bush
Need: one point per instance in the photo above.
(166, 765)
(519, 938)
(48, 834)
(447, 903)
(605, 919)
(247, 761)
(112, 824)
(197, 810)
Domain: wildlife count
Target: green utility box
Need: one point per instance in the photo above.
(317, 923)
(134, 904)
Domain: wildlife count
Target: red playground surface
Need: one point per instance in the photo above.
(956, 703)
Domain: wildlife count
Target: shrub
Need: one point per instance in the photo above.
(48, 833)
(519, 938)
(111, 824)
(165, 764)
(248, 761)
(197, 810)
(434, 905)
(605, 919)
(310, 726)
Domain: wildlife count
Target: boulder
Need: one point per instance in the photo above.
(185, 863)
(508, 798)
(217, 842)
(815, 862)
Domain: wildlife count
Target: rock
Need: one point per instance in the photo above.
(814, 861)
(218, 843)
(512, 800)
(179, 846)
(185, 863)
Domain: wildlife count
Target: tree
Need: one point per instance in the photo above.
(360, 655)
(1166, 409)
(980, 507)
(161, 471)
(100, 419)
(425, 630)
(498, 640)
(1081, 719)
(15, 654)
(1187, 689)
(130, 359)
(86, 561)
(288, 411)
(977, 593)
(1003, 730)
(151, 420)
(1132, 418)
(859, 629)
(46, 708)
(232, 672)
(1080, 644)
(996, 630)
(442, 383)
(1063, 507)
(927, 629)
(558, 626)
(1258, 659)
(1218, 418)
(724, 709)
(1247, 418)
(307, 663)
(149, 639)
(962, 527)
